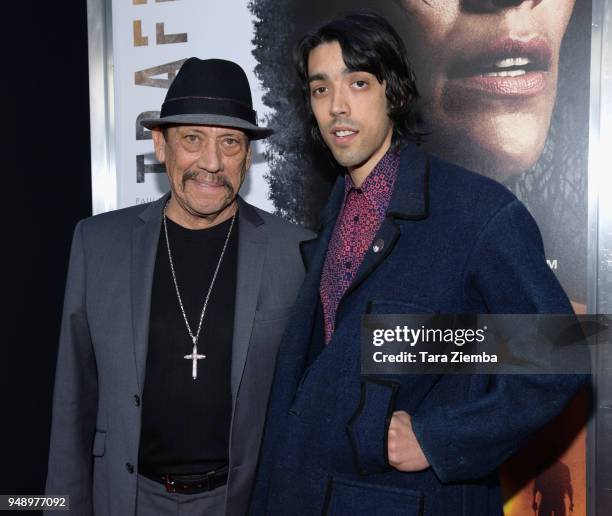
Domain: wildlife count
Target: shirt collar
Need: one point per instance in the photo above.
(378, 186)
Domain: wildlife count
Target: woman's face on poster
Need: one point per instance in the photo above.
(487, 74)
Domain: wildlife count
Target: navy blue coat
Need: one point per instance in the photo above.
(454, 242)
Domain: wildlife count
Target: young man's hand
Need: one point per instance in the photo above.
(405, 453)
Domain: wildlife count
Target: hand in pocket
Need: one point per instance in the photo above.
(405, 453)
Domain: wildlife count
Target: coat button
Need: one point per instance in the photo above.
(129, 467)
(137, 400)
(378, 245)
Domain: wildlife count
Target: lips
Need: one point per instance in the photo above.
(209, 184)
(509, 68)
(343, 135)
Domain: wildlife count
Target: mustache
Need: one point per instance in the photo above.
(215, 179)
(342, 122)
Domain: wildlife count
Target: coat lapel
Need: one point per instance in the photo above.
(409, 201)
(145, 238)
(251, 247)
(313, 254)
(313, 249)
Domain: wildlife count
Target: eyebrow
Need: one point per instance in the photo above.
(230, 131)
(234, 133)
(317, 77)
(325, 77)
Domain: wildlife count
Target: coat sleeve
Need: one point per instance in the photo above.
(75, 396)
(507, 272)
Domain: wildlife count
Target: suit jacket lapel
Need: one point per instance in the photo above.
(145, 238)
(251, 243)
(251, 247)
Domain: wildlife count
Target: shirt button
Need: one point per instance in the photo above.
(129, 467)
(378, 245)
(137, 400)
(348, 265)
(356, 218)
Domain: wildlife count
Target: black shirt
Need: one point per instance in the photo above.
(186, 423)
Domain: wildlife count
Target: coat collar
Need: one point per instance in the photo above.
(409, 201)
(333, 205)
(410, 198)
(153, 212)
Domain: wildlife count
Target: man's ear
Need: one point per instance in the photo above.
(159, 141)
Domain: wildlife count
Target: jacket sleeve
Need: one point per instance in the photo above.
(507, 272)
(75, 396)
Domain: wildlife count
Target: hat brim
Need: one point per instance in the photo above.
(255, 132)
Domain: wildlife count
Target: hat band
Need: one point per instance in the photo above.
(207, 106)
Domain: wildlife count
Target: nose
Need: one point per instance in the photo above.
(211, 157)
(339, 103)
(488, 6)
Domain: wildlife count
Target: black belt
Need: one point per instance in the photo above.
(191, 483)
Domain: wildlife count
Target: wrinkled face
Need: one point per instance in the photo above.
(205, 166)
(487, 75)
(350, 108)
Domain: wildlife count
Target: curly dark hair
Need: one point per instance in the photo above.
(369, 43)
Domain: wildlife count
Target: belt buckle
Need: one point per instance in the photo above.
(170, 488)
(205, 484)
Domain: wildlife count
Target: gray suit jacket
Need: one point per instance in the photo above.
(103, 346)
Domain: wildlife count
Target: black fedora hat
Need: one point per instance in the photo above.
(210, 92)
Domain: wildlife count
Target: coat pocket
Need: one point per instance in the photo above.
(99, 443)
(345, 496)
(368, 427)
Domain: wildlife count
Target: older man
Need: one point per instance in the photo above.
(173, 313)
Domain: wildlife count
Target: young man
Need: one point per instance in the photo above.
(172, 317)
(403, 232)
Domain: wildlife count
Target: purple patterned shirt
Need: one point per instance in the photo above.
(362, 213)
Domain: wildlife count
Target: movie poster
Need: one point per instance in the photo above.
(150, 42)
(504, 92)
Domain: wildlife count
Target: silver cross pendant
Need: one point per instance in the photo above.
(194, 357)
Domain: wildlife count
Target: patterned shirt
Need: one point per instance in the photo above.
(362, 213)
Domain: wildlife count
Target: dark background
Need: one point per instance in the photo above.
(46, 140)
